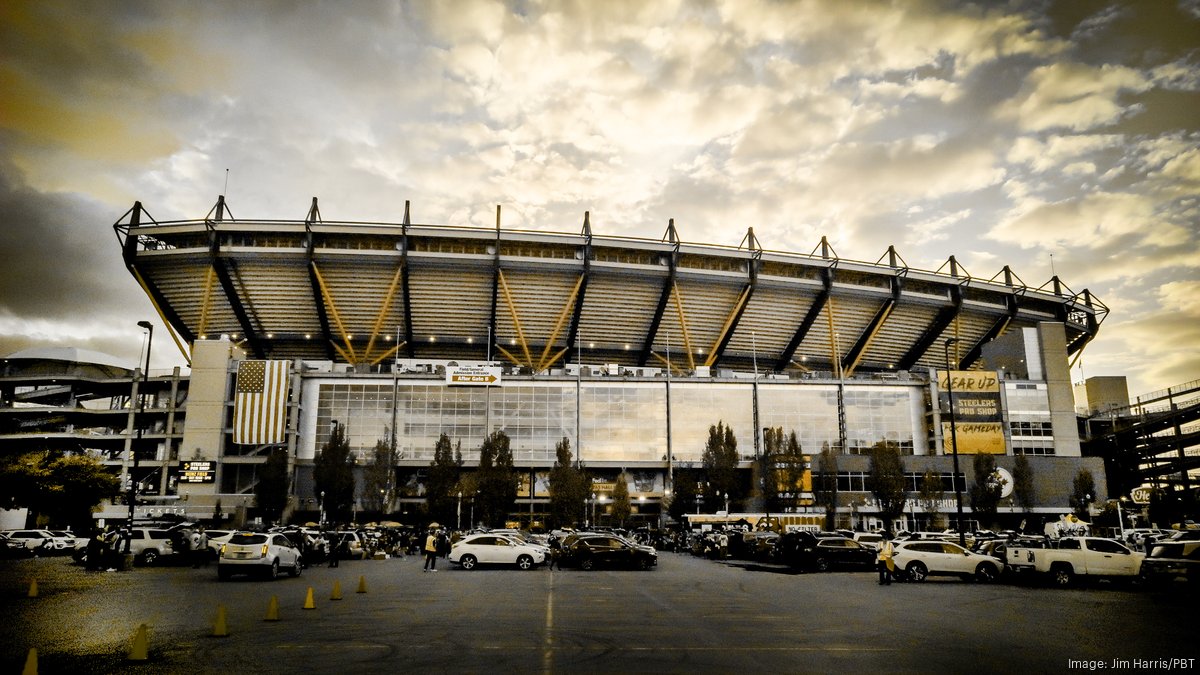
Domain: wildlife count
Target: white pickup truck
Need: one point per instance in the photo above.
(1075, 557)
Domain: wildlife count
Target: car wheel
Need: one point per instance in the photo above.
(587, 564)
(273, 572)
(525, 562)
(149, 557)
(985, 573)
(297, 568)
(917, 571)
(468, 562)
(1062, 575)
(821, 565)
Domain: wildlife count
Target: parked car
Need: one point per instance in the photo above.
(148, 545)
(796, 548)
(13, 548)
(919, 559)
(590, 551)
(1074, 557)
(495, 549)
(37, 542)
(216, 539)
(259, 553)
(840, 552)
(1170, 560)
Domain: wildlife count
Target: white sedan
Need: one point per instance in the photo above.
(258, 553)
(495, 549)
(920, 559)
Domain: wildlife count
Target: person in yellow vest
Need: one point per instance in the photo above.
(431, 551)
(884, 561)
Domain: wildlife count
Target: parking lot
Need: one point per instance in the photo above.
(689, 614)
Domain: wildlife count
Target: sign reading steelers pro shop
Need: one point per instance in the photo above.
(977, 421)
(198, 472)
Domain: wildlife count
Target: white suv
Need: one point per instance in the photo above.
(922, 558)
(258, 553)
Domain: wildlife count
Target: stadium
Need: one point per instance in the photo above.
(629, 348)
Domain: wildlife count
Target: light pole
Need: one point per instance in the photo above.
(593, 508)
(962, 536)
(727, 510)
(322, 519)
(140, 423)
(458, 523)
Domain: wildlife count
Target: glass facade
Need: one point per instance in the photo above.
(1027, 407)
(621, 421)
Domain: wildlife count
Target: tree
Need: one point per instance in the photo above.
(622, 508)
(931, 495)
(568, 488)
(771, 467)
(720, 461)
(497, 479)
(273, 486)
(444, 481)
(1083, 493)
(887, 482)
(684, 493)
(65, 488)
(379, 477)
(333, 476)
(985, 493)
(1023, 490)
(825, 487)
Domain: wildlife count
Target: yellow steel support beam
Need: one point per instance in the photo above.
(562, 320)
(146, 289)
(508, 355)
(667, 363)
(388, 354)
(554, 359)
(209, 275)
(348, 353)
(874, 331)
(687, 338)
(512, 309)
(737, 306)
(383, 310)
(835, 349)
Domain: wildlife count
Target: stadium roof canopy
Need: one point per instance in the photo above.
(365, 293)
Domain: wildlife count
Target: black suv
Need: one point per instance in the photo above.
(590, 551)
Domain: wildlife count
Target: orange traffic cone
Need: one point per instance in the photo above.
(362, 585)
(140, 651)
(308, 601)
(273, 609)
(220, 628)
(33, 590)
(337, 591)
(30, 663)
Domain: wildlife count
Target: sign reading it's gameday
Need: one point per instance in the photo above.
(977, 421)
(198, 472)
(473, 375)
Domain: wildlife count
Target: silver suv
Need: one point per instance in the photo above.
(148, 545)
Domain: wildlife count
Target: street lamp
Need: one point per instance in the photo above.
(140, 423)
(593, 508)
(962, 536)
(458, 522)
(322, 518)
(727, 510)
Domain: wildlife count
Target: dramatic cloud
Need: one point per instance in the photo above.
(1053, 136)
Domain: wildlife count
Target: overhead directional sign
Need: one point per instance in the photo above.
(473, 375)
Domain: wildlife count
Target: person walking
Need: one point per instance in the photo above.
(198, 545)
(335, 548)
(884, 561)
(431, 551)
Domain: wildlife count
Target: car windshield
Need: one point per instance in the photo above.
(248, 539)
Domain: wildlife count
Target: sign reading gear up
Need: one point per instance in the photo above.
(977, 421)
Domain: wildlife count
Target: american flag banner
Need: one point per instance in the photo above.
(260, 402)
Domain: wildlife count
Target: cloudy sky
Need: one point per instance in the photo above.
(1055, 137)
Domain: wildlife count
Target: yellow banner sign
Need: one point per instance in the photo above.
(978, 438)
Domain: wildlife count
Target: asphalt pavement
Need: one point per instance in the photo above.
(688, 615)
